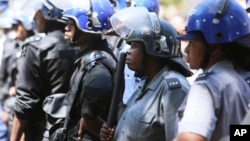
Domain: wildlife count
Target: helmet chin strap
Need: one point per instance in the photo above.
(208, 51)
(73, 41)
(144, 63)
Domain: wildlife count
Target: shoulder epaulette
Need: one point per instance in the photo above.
(173, 83)
(248, 81)
(89, 60)
(27, 41)
(33, 39)
(203, 76)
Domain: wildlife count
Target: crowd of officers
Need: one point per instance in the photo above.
(60, 59)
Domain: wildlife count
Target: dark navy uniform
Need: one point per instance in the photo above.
(94, 92)
(43, 69)
(11, 47)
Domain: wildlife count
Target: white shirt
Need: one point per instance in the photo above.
(199, 116)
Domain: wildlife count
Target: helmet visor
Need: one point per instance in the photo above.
(126, 20)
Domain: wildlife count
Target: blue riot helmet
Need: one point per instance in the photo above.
(90, 16)
(3, 5)
(50, 11)
(7, 18)
(220, 21)
(151, 5)
(20, 15)
(9, 22)
(27, 23)
(30, 7)
(119, 4)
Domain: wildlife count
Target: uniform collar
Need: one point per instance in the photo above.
(220, 65)
(155, 82)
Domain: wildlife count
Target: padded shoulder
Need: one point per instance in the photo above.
(34, 38)
(203, 76)
(248, 81)
(46, 42)
(89, 60)
(29, 41)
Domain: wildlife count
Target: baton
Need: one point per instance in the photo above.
(118, 89)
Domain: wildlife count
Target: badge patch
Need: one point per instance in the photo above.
(173, 83)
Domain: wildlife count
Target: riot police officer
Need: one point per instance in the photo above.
(92, 79)
(24, 29)
(43, 69)
(212, 36)
(151, 112)
(119, 45)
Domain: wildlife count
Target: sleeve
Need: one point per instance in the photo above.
(4, 79)
(175, 94)
(28, 83)
(5, 76)
(97, 92)
(199, 116)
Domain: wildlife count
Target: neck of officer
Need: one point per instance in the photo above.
(215, 57)
(153, 66)
(86, 40)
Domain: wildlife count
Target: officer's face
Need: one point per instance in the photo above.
(135, 56)
(195, 53)
(21, 32)
(69, 30)
(39, 21)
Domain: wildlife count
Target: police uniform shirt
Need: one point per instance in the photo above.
(199, 114)
(205, 113)
(151, 113)
(245, 75)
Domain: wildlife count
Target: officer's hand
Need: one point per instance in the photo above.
(12, 91)
(106, 133)
(82, 126)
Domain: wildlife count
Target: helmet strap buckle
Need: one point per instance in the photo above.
(163, 44)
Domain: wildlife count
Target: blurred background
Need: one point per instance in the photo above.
(175, 11)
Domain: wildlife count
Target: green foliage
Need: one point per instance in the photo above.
(183, 9)
(171, 2)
